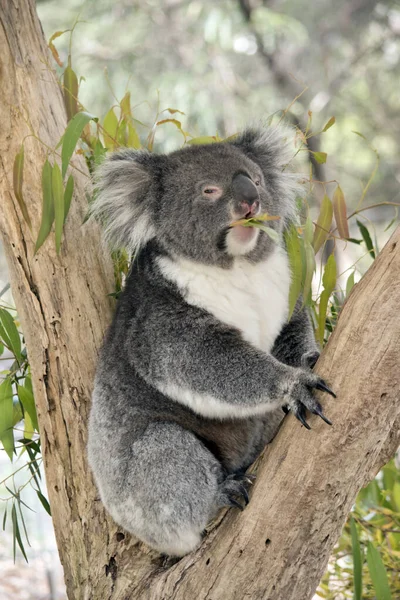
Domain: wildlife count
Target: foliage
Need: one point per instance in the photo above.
(372, 535)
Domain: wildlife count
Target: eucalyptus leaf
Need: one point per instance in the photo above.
(58, 198)
(378, 573)
(357, 561)
(71, 136)
(6, 417)
(47, 206)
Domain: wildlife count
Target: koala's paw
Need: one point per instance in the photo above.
(233, 489)
(309, 359)
(299, 397)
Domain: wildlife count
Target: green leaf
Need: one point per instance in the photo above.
(329, 282)
(70, 85)
(9, 334)
(47, 206)
(44, 501)
(133, 140)
(340, 211)
(5, 518)
(204, 139)
(58, 197)
(349, 284)
(16, 533)
(28, 402)
(6, 417)
(125, 105)
(309, 256)
(378, 573)
(269, 231)
(71, 136)
(18, 180)
(110, 126)
(320, 157)
(357, 561)
(324, 223)
(367, 238)
(294, 252)
(69, 189)
(329, 124)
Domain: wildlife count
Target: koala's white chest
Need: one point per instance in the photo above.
(252, 298)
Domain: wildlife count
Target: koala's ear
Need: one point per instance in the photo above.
(271, 147)
(123, 200)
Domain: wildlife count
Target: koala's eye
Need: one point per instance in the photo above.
(212, 192)
(257, 181)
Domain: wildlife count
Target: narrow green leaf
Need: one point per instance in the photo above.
(16, 533)
(294, 252)
(70, 84)
(329, 124)
(58, 197)
(6, 417)
(69, 189)
(71, 136)
(47, 206)
(320, 157)
(28, 402)
(9, 334)
(324, 223)
(340, 211)
(328, 282)
(5, 518)
(349, 284)
(396, 214)
(110, 125)
(367, 238)
(133, 137)
(18, 180)
(357, 561)
(269, 231)
(44, 502)
(125, 105)
(309, 256)
(378, 573)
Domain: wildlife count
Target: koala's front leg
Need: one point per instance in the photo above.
(197, 361)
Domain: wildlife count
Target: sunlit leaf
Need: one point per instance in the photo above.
(18, 180)
(58, 197)
(329, 124)
(47, 206)
(340, 211)
(177, 124)
(357, 561)
(204, 139)
(367, 238)
(173, 111)
(28, 402)
(69, 189)
(328, 282)
(53, 49)
(320, 157)
(133, 140)
(110, 126)
(323, 224)
(125, 105)
(294, 253)
(9, 334)
(309, 269)
(6, 417)
(70, 88)
(378, 573)
(349, 284)
(71, 136)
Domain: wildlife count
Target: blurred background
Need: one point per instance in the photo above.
(226, 64)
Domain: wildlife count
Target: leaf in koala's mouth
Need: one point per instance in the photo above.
(259, 222)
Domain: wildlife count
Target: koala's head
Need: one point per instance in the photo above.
(187, 200)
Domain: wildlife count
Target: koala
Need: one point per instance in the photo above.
(200, 358)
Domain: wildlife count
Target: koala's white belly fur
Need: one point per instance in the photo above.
(251, 297)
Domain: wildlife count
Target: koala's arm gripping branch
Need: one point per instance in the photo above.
(296, 345)
(208, 366)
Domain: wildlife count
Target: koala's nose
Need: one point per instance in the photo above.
(245, 195)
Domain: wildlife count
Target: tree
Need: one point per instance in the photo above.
(307, 481)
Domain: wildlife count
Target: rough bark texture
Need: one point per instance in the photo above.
(307, 481)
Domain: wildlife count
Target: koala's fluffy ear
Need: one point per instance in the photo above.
(272, 148)
(123, 201)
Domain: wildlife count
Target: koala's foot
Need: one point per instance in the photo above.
(299, 396)
(233, 489)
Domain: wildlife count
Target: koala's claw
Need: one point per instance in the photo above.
(300, 413)
(234, 489)
(318, 411)
(321, 385)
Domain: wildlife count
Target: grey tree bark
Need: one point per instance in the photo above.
(306, 481)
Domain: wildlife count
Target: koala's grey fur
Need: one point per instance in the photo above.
(184, 401)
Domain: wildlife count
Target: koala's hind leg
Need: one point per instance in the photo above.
(170, 490)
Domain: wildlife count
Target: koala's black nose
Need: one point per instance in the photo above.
(245, 194)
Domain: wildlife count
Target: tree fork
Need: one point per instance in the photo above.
(278, 547)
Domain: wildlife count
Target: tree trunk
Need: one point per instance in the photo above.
(307, 481)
